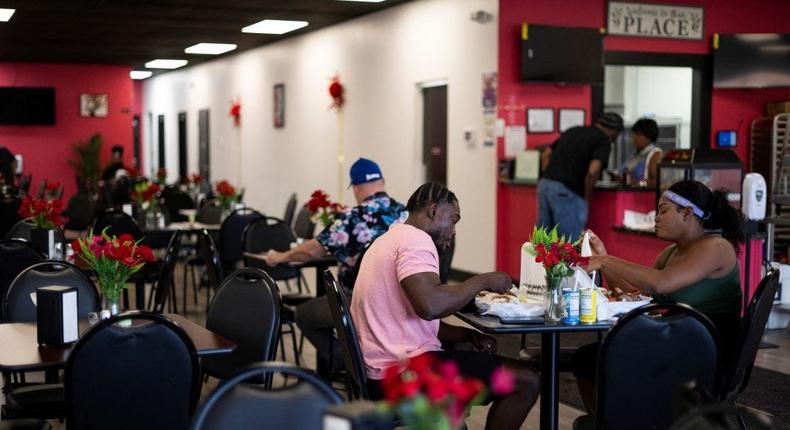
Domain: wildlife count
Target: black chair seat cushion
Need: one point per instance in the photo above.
(29, 424)
(36, 400)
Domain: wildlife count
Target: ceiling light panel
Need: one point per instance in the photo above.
(140, 74)
(165, 64)
(5, 14)
(274, 26)
(210, 48)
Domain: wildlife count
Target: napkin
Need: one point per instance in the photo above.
(507, 306)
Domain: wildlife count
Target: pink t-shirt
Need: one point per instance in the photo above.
(389, 329)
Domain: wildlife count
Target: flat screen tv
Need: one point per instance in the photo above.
(752, 61)
(27, 106)
(561, 54)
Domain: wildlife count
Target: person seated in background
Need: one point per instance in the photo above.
(7, 167)
(699, 268)
(642, 168)
(345, 238)
(116, 163)
(399, 301)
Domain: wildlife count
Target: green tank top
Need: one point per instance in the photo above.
(710, 295)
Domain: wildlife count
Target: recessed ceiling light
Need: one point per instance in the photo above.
(364, 1)
(140, 74)
(5, 14)
(210, 48)
(274, 26)
(165, 64)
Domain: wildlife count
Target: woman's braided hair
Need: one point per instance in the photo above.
(431, 192)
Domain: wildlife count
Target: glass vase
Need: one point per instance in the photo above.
(554, 307)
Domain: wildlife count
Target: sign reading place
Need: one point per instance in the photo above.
(653, 20)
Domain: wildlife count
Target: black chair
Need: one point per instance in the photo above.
(176, 199)
(210, 212)
(150, 380)
(245, 310)
(240, 406)
(735, 379)
(23, 230)
(357, 380)
(304, 227)
(17, 305)
(644, 362)
(9, 212)
(25, 424)
(117, 223)
(207, 256)
(80, 211)
(165, 285)
(290, 209)
(15, 256)
(231, 245)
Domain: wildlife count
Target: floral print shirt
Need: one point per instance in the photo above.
(355, 227)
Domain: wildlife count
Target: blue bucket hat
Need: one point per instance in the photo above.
(364, 171)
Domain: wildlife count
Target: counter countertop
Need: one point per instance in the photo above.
(600, 185)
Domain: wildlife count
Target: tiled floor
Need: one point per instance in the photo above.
(775, 359)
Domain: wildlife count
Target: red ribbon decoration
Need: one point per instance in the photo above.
(235, 112)
(336, 91)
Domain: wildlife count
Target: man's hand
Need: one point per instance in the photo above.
(274, 258)
(498, 282)
(483, 343)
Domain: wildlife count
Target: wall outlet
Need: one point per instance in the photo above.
(469, 137)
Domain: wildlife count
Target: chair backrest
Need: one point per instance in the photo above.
(267, 234)
(239, 406)
(176, 199)
(151, 380)
(207, 250)
(23, 230)
(347, 334)
(753, 324)
(16, 255)
(119, 223)
(210, 212)
(18, 305)
(446, 261)
(304, 227)
(245, 310)
(231, 247)
(166, 270)
(645, 360)
(9, 212)
(290, 209)
(80, 212)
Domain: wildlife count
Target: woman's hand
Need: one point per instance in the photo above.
(596, 245)
(595, 263)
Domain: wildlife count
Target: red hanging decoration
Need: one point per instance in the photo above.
(235, 112)
(336, 91)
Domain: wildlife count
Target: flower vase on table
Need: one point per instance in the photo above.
(558, 256)
(323, 209)
(46, 213)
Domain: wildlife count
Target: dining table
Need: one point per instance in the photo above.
(549, 354)
(20, 350)
(320, 265)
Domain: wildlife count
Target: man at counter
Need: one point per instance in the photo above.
(570, 168)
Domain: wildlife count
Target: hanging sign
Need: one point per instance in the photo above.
(653, 20)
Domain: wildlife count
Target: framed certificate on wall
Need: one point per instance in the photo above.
(540, 120)
(571, 118)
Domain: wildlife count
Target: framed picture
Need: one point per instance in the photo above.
(571, 118)
(94, 105)
(540, 120)
(279, 106)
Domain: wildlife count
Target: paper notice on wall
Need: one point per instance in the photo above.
(515, 140)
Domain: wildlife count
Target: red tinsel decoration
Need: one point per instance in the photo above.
(336, 91)
(235, 112)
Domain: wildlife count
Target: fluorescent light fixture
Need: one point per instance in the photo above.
(140, 74)
(364, 1)
(274, 26)
(5, 14)
(165, 64)
(210, 48)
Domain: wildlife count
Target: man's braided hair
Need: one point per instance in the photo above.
(431, 192)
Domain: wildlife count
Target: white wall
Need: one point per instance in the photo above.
(381, 58)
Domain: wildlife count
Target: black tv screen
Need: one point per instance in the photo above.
(561, 54)
(27, 106)
(752, 61)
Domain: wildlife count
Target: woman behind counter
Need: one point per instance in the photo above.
(642, 168)
(699, 269)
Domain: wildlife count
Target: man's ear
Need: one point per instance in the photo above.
(431, 211)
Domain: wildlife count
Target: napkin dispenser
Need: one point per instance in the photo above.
(56, 313)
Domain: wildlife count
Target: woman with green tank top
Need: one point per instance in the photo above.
(699, 269)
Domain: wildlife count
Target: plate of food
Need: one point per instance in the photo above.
(507, 306)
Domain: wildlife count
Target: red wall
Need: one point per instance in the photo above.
(46, 148)
(731, 109)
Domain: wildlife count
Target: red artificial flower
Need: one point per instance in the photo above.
(336, 90)
(235, 113)
(318, 200)
(53, 186)
(145, 253)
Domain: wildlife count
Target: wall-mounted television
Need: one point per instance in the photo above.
(561, 54)
(27, 106)
(752, 61)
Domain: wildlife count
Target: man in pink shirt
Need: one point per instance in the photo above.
(399, 301)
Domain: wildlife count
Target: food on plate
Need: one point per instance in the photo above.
(618, 295)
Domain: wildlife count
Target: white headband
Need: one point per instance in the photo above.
(685, 203)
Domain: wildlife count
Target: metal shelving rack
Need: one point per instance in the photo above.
(770, 156)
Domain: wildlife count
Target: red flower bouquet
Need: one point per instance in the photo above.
(161, 176)
(46, 213)
(227, 194)
(114, 259)
(431, 394)
(146, 194)
(324, 210)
